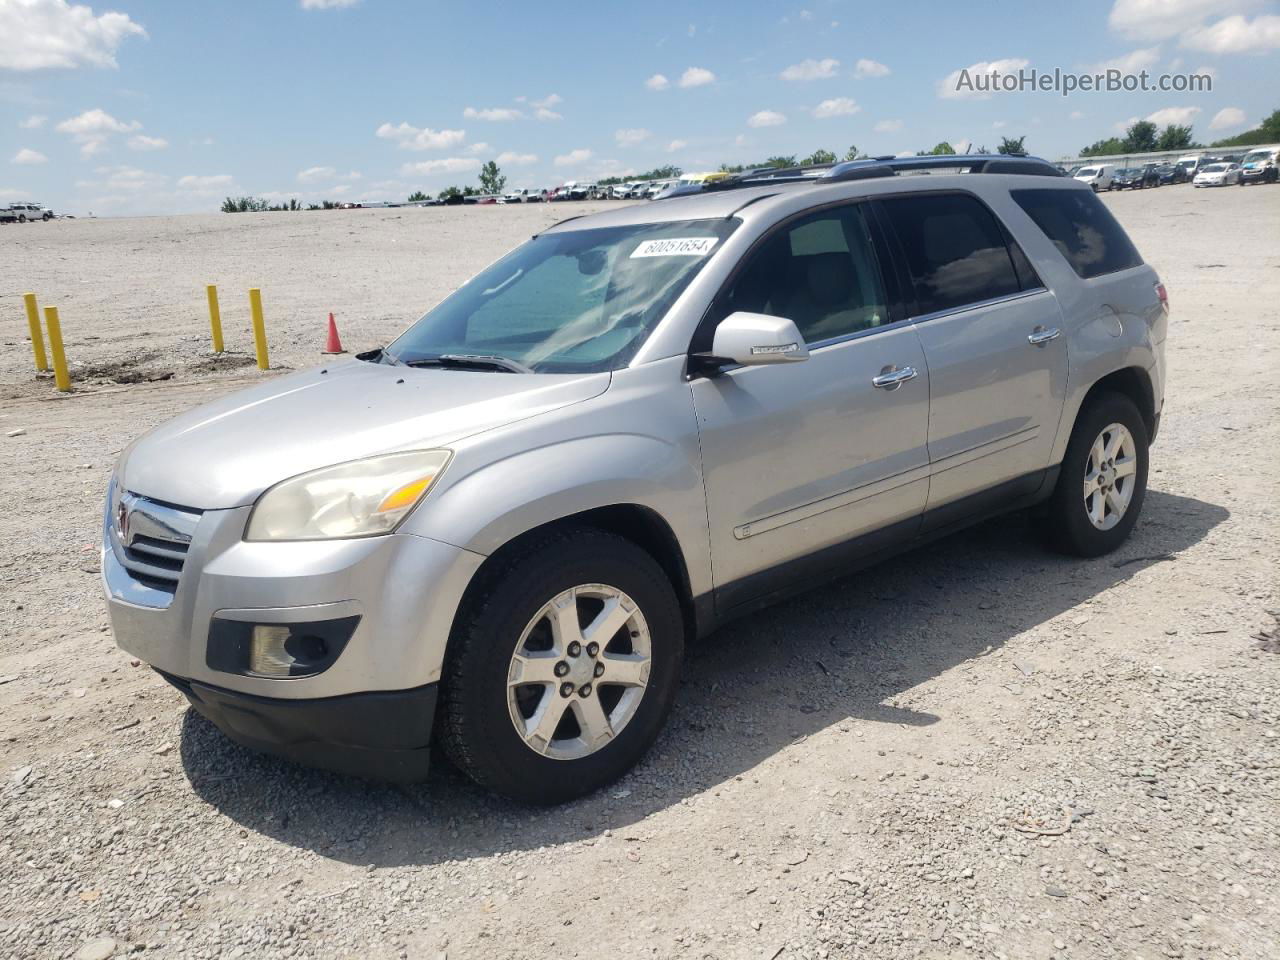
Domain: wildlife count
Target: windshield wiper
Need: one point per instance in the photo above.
(465, 360)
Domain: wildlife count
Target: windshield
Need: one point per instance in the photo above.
(1214, 168)
(580, 301)
(1257, 156)
(1087, 172)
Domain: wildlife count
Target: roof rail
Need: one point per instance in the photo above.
(873, 167)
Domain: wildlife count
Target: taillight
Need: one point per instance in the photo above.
(1163, 295)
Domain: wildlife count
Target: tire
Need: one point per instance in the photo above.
(22, 218)
(506, 615)
(1068, 523)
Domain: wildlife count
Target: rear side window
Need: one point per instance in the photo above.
(954, 248)
(1082, 228)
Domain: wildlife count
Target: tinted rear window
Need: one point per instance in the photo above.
(955, 250)
(1082, 228)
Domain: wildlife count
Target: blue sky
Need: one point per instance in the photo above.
(159, 106)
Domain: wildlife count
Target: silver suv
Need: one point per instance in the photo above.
(504, 527)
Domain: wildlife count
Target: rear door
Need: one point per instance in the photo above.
(807, 463)
(992, 338)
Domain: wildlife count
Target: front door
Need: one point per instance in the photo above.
(803, 461)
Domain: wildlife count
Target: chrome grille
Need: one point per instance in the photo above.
(151, 539)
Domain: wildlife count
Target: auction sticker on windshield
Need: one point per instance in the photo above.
(676, 247)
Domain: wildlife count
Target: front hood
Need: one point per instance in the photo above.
(225, 453)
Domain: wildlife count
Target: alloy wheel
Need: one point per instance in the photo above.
(579, 671)
(1110, 476)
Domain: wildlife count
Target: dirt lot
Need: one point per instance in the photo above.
(978, 750)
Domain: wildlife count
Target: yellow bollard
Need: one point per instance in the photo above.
(259, 327)
(60, 375)
(215, 317)
(37, 335)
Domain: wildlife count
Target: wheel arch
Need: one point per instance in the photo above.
(637, 523)
(1132, 382)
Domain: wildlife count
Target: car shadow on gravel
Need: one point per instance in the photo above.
(841, 652)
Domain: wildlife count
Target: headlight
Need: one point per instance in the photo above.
(359, 499)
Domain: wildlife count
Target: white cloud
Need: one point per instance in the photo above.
(93, 128)
(573, 157)
(740, 140)
(29, 158)
(33, 122)
(1236, 35)
(811, 70)
(999, 125)
(143, 142)
(1132, 62)
(13, 193)
(206, 184)
(697, 77)
(1228, 118)
(870, 68)
(947, 87)
(1076, 115)
(1161, 19)
(443, 165)
(766, 118)
(836, 107)
(512, 159)
(420, 138)
(39, 34)
(542, 108)
(675, 145)
(806, 14)
(124, 178)
(657, 82)
(888, 126)
(1180, 116)
(496, 114)
(326, 4)
(316, 174)
(481, 147)
(631, 137)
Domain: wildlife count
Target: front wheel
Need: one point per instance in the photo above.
(1102, 481)
(562, 668)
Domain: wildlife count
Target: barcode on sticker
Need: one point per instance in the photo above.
(676, 247)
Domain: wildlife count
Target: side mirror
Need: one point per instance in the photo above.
(752, 340)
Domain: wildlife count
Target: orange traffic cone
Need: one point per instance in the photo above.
(333, 344)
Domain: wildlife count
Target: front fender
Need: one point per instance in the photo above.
(504, 499)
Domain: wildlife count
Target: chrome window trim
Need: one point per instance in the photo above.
(979, 304)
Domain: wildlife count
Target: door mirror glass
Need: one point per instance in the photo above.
(754, 339)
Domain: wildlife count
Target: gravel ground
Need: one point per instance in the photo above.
(977, 750)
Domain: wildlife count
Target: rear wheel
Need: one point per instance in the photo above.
(1103, 479)
(563, 669)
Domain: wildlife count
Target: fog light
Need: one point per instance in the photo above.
(268, 653)
(277, 650)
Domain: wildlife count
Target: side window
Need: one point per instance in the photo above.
(1082, 228)
(820, 272)
(954, 248)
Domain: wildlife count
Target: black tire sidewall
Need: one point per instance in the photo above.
(1070, 525)
(480, 735)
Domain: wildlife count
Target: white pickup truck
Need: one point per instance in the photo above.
(22, 212)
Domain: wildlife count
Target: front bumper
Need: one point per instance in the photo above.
(403, 588)
(384, 735)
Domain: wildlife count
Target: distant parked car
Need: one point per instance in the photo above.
(1097, 176)
(1126, 178)
(515, 196)
(1171, 173)
(1191, 166)
(28, 212)
(1217, 175)
(1260, 166)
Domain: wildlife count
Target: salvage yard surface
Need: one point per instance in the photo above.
(980, 749)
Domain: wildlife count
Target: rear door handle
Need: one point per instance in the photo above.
(1040, 335)
(891, 379)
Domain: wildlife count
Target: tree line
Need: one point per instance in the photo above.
(1143, 136)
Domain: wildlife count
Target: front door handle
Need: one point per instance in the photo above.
(1040, 335)
(891, 379)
